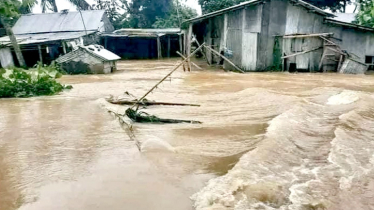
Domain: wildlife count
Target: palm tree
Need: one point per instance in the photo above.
(51, 5)
(9, 9)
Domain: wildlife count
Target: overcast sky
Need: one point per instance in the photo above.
(65, 4)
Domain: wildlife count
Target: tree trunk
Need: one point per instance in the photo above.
(15, 45)
(53, 2)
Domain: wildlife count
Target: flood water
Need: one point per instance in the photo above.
(268, 141)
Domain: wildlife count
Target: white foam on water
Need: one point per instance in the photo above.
(154, 144)
(345, 97)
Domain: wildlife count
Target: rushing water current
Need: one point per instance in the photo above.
(268, 141)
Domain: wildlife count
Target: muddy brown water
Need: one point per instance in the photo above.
(268, 141)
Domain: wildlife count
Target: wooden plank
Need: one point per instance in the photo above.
(323, 57)
(63, 47)
(306, 35)
(159, 55)
(40, 54)
(180, 43)
(300, 53)
(226, 59)
(334, 50)
(188, 46)
(168, 52)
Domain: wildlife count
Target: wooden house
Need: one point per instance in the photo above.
(293, 35)
(43, 37)
(144, 43)
(92, 59)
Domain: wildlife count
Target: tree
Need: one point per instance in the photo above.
(208, 6)
(365, 15)
(144, 13)
(113, 9)
(177, 15)
(52, 6)
(8, 12)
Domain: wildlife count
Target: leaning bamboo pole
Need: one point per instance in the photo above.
(183, 57)
(154, 87)
(226, 59)
(202, 52)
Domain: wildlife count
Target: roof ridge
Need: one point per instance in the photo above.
(49, 13)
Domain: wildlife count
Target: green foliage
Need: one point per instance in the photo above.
(39, 81)
(333, 5)
(112, 9)
(178, 14)
(142, 13)
(365, 16)
(9, 8)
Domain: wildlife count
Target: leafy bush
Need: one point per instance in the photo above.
(39, 81)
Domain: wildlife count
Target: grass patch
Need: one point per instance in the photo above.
(39, 81)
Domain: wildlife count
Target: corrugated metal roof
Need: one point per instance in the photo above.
(42, 38)
(101, 52)
(59, 22)
(352, 25)
(252, 2)
(94, 50)
(148, 31)
(345, 17)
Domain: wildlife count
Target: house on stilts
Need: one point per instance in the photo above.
(44, 37)
(132, 43)
(292, 35)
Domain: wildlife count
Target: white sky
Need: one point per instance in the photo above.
(65, 4)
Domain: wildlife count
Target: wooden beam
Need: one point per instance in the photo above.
(306, 35)
(159, 55)
(168, 47)
(300, 53)
(202, 52)
(40, 54)
(180, 43)
(226, 59)
(63, 47)
(188, 47)
(194, 64)
(327, 40)
(337, 51)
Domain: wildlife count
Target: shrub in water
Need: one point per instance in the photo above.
(39, 81)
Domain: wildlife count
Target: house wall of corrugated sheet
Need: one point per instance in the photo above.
(273, 23)
(353, 67)
(234, 38)
(301, 21)
(216, 36)
(252, 29)
(6, 58)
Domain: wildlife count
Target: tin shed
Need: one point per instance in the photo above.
(260, 35)
(92, 59)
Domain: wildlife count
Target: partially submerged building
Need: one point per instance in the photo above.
(144, 43)
(92, 59)
(263, 35)
(43, 37)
